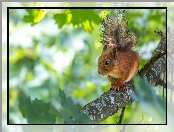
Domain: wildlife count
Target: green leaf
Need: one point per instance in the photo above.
(63, 98)
(83, 118)
(66, 116)
(34, 16)
(73, 108)
(68, 104)
(85, 17)
(70, 111)
(78, 17)
(60, 19)
(22, 105)
(36, 111)
(150, 102)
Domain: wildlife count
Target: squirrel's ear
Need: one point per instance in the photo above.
(114, 52)
(104, 47)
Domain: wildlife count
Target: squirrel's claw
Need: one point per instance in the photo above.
(115, 88)
(123, 87)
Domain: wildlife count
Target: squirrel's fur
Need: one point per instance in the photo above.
(118, 61)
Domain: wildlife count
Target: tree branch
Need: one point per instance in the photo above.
(159, 52)
(108, 104)
(162, 83)
(112, 101)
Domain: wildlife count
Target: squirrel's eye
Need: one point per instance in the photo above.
(107, 62)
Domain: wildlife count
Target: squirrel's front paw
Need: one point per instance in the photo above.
(114, 87)
(123, 87)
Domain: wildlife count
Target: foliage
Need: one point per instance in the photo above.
(150, 103)
(76, 17)
(36, 112)
(34, 16)
(60, 48)
(70, 111)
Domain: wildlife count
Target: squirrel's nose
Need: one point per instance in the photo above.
(99, 72)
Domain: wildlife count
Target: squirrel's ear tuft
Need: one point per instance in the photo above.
(104, 47)
(114, 52)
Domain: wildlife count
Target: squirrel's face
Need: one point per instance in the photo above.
(106, 62)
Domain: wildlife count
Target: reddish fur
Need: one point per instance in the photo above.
(122, 68)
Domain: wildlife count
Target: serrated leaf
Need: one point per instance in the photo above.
(60, 19)
(70, 110)
(66, 116)
(84, 118)
(34, 16)
(37, 112)
(22, 105)
(73, 107)
(63, 98)
(78, 17)
(68, 103)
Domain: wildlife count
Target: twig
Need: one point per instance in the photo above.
(141, 118)
(161, 82)
(121, 115)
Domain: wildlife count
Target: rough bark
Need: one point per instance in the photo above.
(112, 101)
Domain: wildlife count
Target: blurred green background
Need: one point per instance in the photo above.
(53, 48)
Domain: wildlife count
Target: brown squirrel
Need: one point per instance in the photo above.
(118, 61)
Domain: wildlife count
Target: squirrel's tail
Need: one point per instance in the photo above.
(114, 30)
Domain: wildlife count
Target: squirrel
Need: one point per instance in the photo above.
(118, 61)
